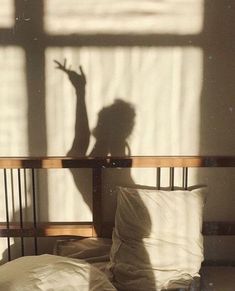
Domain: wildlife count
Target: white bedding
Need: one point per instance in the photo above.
(97, 252)
(93, 250)
(52, 273)
(212, 278)
(89, 249)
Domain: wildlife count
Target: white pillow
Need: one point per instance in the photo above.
(157, 240)
(49, 273)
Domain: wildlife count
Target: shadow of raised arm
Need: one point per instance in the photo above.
(82, 131)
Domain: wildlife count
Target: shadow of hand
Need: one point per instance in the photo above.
(77, 80)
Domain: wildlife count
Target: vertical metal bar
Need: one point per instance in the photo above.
(25, 192)
(97, 200)
(34, 212)
(7, 214)
(158, 178)
(172, 178)
(12, 193)
(185, 179)
(21, 211)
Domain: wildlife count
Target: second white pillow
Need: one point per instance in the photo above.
(157, 240)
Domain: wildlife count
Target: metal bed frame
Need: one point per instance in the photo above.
(97, 227)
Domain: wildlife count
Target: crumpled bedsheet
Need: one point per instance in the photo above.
(49, 273)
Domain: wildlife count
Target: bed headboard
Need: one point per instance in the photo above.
(97, 227)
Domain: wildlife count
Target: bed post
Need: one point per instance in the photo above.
(97, 201)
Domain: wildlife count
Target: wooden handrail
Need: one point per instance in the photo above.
(86, 229)
(47, 229)
(115, 162)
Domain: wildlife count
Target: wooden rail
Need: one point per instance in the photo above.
(47, 229)
(86, 229)
(115, 162)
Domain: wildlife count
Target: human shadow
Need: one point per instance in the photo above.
(114, 126)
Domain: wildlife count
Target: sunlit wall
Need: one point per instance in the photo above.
(6, 13)
(13, 102)
(124, 16)
(166, 95)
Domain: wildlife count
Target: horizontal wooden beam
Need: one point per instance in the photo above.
(219, 263)
(219, 228)
(47, 230)
(116, 162)
(125, 40)
(87, 229)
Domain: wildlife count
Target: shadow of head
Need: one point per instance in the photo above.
(115, 123)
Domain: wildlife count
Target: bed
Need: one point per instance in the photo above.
(155, 243)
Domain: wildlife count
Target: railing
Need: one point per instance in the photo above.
(97, 227)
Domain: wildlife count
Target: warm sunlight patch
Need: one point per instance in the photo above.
(13, 102)
(172, 89)
(124, 16)
(6, 13)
